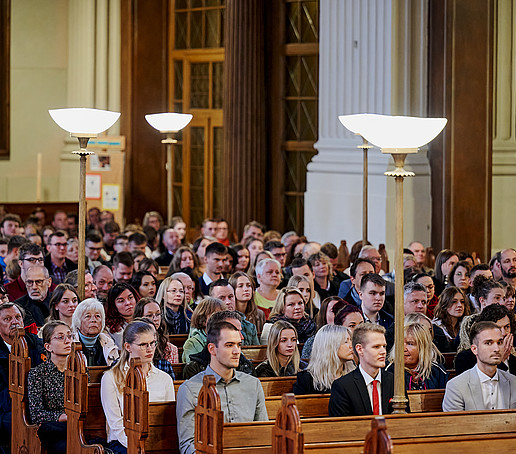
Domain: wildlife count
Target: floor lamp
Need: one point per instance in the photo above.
(169, 124)
(397, 136)
(83, 124)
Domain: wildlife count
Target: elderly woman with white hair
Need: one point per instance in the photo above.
(88, 324)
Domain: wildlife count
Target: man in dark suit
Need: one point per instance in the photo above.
(368, 389)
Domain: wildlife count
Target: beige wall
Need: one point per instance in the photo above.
(39, 60)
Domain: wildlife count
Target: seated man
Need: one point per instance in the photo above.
(241, 395)
(37, 301)
(368, 389)
(214, 261)
(222, 290)
(484, 387)
(199, 361)
(349, 289)
(372, 294)
(11, 318)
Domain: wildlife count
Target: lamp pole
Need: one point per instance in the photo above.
(169, 141)
(365, 148)
(81, 266)
(399, 402)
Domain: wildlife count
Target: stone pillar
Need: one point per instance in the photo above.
(244, 114)
(372, 60)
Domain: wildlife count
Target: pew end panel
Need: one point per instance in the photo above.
(378, 440)
(136, 408)
(77, 401)
(209, 419)
(24, 438)
(287, 436)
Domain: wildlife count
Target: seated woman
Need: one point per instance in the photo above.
(145, 284)
(290, 306)
(165, 351)
(185, 258)
(88, 324)
(421, 368)
(449, 313)
(149, 265)
(349, 316)
(268, 276)
(325, 316)
(63, 303)
(282, 352)
(332, 357)
(197, 338)
(305, 286)
(45, 386)
(244, 299)
(444, 263)
(139, 341)
(323, 273)
(431, 297)
(120, 304)
(172, 300)
(508, 301)
(243, 261)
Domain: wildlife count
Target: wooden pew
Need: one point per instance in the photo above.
(426, 400)
(177, 339)
(82, 405)
(24, 438)
(308, 405)
(150, 426)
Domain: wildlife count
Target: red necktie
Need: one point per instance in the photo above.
(376, 399)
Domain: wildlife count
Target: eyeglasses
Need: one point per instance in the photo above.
(38, 282)
(63, 337)
(145, 346)
(59, 244)
(35, 260)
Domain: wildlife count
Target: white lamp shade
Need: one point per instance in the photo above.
(84, 121)
(168, 122)
(388, 132)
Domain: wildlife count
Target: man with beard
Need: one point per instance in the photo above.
(103, 280)
(11, 318)
(508, 265)
(483, 387)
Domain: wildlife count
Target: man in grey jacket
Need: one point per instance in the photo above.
(483, 387)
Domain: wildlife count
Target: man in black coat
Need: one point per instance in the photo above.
(368, 389)
(11, 318)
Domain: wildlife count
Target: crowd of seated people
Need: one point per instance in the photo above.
(324, 318)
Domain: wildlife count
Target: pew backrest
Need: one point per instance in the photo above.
(428, 400)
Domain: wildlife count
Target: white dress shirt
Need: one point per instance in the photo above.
(490, 390)
(159, 386)
(369, 385)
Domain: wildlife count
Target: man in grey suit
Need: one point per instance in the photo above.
(483, 387)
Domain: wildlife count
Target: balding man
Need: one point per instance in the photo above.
(419, 251)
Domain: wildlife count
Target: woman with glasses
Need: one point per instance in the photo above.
(290, 306)
(139, 341)
(120, 304)
(149, 308)
(46, 387)
(145, 284)
(88, 324)
(63, 302)
(171, 298)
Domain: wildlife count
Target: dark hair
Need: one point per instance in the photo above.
(354, 266)
(213, 336)
(496, 312)
(137, 279)
(146, 263)
(198, 242)
(11, 217)
(218, 283)
(114, 319)
(48, 329)
(221, 316)
(374, 278)
(161, 332)
(479, 267)
(57, 294)
(216, 248)
(482, 286)
(138, 238)
(94, 237)
(441, 310)
(442, 257)
(124, 258)
(29, 249)
(175, 264)
(16, 241)
(57, 234)
(273, 244)
(299, 262)
(320, 318)
(111, 227)
(330, 250)
(121, 237)
(343, 312)
(478, 327)
(460, 263)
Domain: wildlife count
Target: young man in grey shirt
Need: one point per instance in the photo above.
(241, 395)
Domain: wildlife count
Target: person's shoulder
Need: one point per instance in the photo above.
(247, 379)
(345, 380)
(508, 376)
(461, 378)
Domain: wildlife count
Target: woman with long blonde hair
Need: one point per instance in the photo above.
(332, 357)
(139, 341)
(282, 353)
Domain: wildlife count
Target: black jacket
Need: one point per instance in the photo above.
(305, 384)
(349, 396)
(35, 311)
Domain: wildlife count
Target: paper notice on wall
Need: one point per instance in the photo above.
(111, 197)
(93, 186)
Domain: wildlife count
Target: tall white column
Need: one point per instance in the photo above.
(372, 59)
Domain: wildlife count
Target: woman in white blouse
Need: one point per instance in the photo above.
(139, 341)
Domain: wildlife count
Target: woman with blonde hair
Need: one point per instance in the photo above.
(139, 341)
(290, 306)
(305, 286)
(282, 353)
(171, 298)
(332, 357)
(421, 369)
(244, 298)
